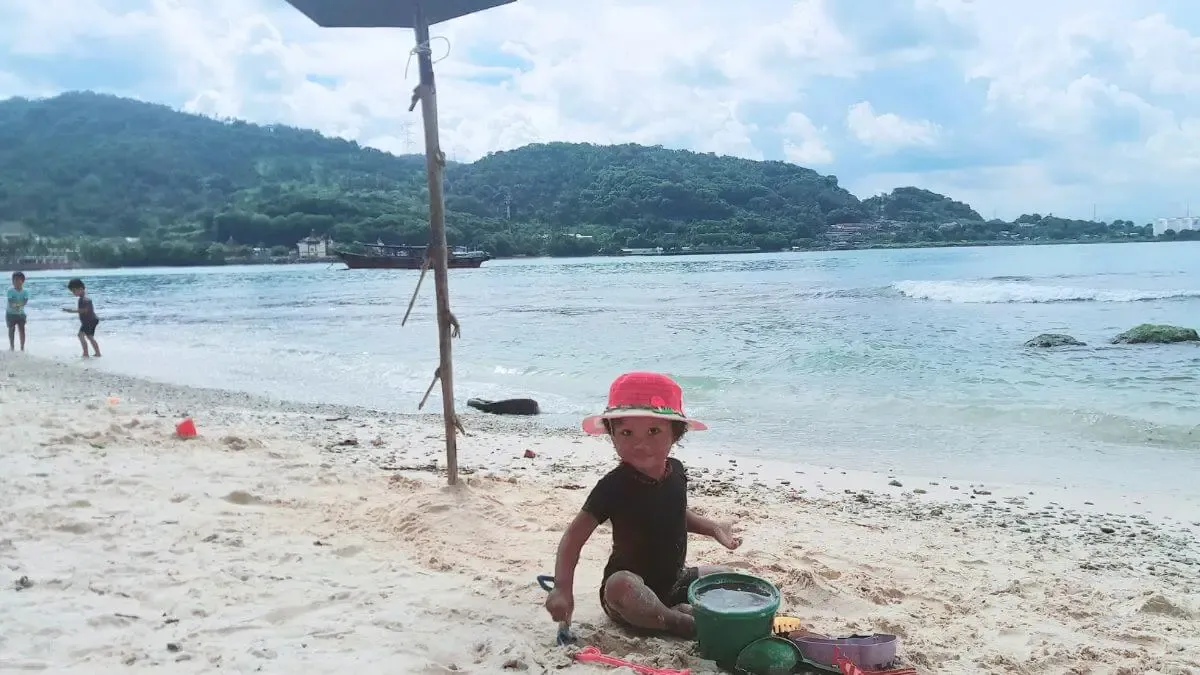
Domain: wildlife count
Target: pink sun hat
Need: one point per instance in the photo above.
(642, 395)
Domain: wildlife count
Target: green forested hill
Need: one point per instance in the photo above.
(910, 204)
(641, 195)
(98, 165)
(102, 167)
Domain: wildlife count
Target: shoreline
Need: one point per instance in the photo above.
(814, 481)
(291, 537)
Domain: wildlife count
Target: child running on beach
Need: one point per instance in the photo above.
(87, 317)
(645, 581)
(14, 311)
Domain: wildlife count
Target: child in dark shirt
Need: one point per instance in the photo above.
(645, 497)
(87, 317)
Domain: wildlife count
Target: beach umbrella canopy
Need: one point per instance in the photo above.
(388, 13)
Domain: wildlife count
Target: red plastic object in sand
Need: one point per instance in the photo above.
(845, 665)
(593, 655)
(186, 429)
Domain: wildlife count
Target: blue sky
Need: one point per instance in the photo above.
(1011, 105)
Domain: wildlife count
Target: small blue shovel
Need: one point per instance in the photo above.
(565, 637)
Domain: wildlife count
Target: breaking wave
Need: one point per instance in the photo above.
(1009, 290)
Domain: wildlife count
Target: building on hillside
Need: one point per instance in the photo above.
(1177, 224)
(313, 246)
(11, 230)
(850, 234)
(47, 259)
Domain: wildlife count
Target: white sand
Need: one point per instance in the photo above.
(264, 546)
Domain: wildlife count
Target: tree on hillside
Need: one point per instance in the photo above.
(103, 168)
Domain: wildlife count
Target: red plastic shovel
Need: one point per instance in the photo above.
(593, 655)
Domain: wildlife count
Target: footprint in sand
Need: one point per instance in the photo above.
(242, 498)
(74, 528)
(347, 551)
(239, 443)
(1160, 605)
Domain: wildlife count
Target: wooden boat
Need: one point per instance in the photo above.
(390, 257)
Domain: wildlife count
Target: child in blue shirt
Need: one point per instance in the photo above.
(14, 311)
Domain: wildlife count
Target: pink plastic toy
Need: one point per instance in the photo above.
(593, 655)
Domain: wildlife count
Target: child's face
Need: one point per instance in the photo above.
(18, 282)
(643, 442)
(77, 292)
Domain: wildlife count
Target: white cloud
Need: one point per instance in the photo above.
(802, 142)
(1037, 190)
(1165, 56)
(1111, 84)
(888, 132)
(592, 71)
(50, 27)
(11, 85)
(1095, 97)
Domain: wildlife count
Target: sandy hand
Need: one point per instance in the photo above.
(725, 537)
(560, 604)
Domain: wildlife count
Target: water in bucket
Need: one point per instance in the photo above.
(736, 597)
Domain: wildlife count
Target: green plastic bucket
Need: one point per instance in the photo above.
(731, 611)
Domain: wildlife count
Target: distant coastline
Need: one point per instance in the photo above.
(10, 264)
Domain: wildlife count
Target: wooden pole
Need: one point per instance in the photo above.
(435, 162)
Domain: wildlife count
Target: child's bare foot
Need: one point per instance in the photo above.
(680, 624)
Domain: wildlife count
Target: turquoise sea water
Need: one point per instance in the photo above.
(905, 359)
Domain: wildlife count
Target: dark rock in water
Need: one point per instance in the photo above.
(1054, 340)
(509, 406)
(1149, 333)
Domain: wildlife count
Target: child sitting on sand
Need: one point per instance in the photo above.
(645, 581)
(87, 317)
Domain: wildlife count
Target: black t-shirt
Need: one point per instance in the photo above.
(649, 522)
(87, 311)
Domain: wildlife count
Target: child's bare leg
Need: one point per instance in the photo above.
(626, 594)
(702, 571)
(20, 332)
(83, 343)
(12, 330)
(95, 346)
